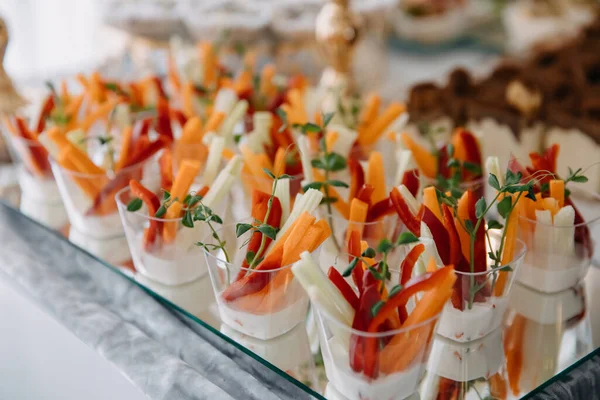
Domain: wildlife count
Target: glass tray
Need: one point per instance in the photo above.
(553, 336)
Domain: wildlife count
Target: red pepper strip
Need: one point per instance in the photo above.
(439, 233)
(179, 116)
(148, 151)
(144, 128)
(159, 87)
(39, 155)
(354, 249)
(365, 192)
(276, 102)
(163, 122)
(455, 249)
(338, 280)
(360, 360)
(255, 281)
(409, 262)
(153, 204)
(545, 161)
(165, 163)
(45, 113)
(410, 221)
(426, 282)
(380, 209)
(515, 166)
(260, 204)
(582, 232)
(472, 153)
(442, 159)
(407, 266)
(411, 181)
(357, 178)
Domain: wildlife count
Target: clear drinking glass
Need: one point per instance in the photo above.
(480, 299)
(559, 256)
(172, 258)
(400, 364)
(40, 198)
(92, 210)
(263, 304)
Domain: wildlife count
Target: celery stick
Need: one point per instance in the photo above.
(492, 166)
(430, 248)
(121, 117)
(398, 124)
(303, 147)
(346, 138)
(564, 239)
(412, 203)
(260, 136)
(231, 120)
(223, 183)
(308, 202)
(282, 192)
(405, 163)
(225, 101)
(77, 137)
(542, 237)
(213, 161)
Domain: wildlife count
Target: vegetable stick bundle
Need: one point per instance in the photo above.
(368, 308)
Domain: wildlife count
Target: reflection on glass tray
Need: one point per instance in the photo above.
(543, 334)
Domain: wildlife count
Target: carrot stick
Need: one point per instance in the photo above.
(187, 99)
(169, 232)
(173, 74)
(192, 131)
(165, 163)
(126, 148)
(330, 138)
(243, 82)
(101, 112)
(430, 200)
(279, 163)
(297, 104)
(372, 133)
(513, 350)
(86, 186)
(425, 160)
(209, 63)
(358, 216)
(550, 204)
(185, 176)
(376, 177)
(508, 253)
(267, 88)
(557, 191)
(214, 122)
(82, 80)
(370, 109)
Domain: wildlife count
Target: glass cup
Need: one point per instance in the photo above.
(40, 198)
(173, 258)
(400, 364)
(92, 210)
(480, 299)
(559, 256)
(544, 334)
(460, 370)
(261, 304)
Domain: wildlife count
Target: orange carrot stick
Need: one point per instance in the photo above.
(187, 98)
(279, 163)
(192, 131)
(214, 122)
(169, 232)
(370, 109)
(376, 177)
(172, 73)
(374, 131)
(101, 112)
(557, 191)
(358, 215)
(330, 138)
(126, 148)
(185, 176)
(425, 160)
(508, 253)
(209, 63)
(267, 88)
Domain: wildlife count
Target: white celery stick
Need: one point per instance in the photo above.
(77, 137)
(49, 145)
(309, 275)
(412, 203)
(121, 116)
(231, 120)
(405, 163)
(257, 139)
(398, 124)
(340, 335)
(564, 240)
(225, 101)
(282, 192)
(492, 166)
(213, 161)
(542, 237)
(308, 202)
(346, 138)
(430, 248)
(223, 183)
(303, 147)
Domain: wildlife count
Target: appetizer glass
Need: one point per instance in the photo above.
(480, 299)
(460, 370)
(40, 197)
(400, 366)
(172, 258)
(559, 256)
(92, 210)
(263, 304)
